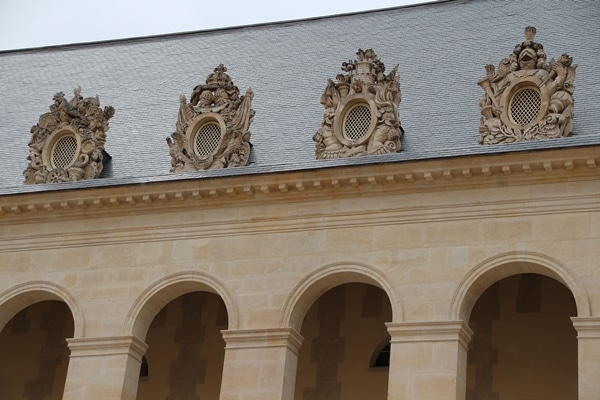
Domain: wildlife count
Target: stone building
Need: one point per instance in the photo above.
(430, 231)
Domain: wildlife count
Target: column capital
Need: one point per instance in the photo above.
(261, 338)
(103, 346)
(587, 327)
(431, 331)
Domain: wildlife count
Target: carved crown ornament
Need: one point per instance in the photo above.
(67, 143)
(212, 129)
(526, 98)
(361, 110)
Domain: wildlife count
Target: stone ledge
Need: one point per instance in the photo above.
(407, 177)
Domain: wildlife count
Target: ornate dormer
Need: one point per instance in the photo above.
(67, 144)
(212, 129)
(361, 110)
(525, 97)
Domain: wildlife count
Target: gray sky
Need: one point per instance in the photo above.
(37, 23)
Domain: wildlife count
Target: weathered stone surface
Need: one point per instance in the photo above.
(67, 143)
(527, 98)
(212, 129)
(361, 110)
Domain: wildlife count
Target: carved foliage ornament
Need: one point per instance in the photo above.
(67, 143)
(361, 110)
(525, 97)
(212, 129)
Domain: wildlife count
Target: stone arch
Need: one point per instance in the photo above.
(23, 295)
(155, 297)
(504, 265)
(318, 282)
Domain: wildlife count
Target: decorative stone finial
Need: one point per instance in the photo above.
(526, 98)
(361, 110)
(530, 32)
(212, 129)
(67, 143)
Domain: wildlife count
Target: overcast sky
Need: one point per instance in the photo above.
(37, 23)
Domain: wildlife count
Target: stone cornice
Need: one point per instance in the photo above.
(522, 168)
(265, 224)
(381, 180)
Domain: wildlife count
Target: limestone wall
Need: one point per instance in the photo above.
(269, 247)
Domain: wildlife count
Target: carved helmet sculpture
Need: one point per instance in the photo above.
(361, 110)
(67, 144)
(525, 97)
(212, 129)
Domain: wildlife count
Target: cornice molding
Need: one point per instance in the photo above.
(499, 170)
(276, 224)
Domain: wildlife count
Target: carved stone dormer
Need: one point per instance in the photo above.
(525, 97)
(67, 144)
(212, 129)
(361, 110)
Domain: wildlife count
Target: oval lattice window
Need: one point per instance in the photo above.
(64, 152)
(525, 106)
(207, 139)
(357, 122)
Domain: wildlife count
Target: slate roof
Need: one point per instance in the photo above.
(441, 49)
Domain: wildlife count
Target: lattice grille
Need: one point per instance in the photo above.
(64, 152)
(356, 124)
(525, 106)
(207, 139)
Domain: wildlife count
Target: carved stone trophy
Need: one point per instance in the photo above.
(67, 143)
(361, 110)
(212, 129)
(525, 97)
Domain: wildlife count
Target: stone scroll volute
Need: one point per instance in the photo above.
(67, 143)
(212, 129)
(526, 98)
(361, 110)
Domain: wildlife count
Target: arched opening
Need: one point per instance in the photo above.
(342, 330)
(381, 355)
(186, 349)
(34, 356)
(524, 345)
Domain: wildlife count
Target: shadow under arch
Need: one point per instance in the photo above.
(159, 294)
(309, 289)
(25, 294)
(504, 265)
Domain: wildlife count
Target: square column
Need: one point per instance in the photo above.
(428, 360)
(588, 357)
(104, 368)
(260, 364)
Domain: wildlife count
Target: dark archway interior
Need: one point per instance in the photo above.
(34, 356)
(524, 345)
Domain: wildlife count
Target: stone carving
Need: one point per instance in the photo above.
(67, 143)
(527, 98)
(361, 110)
(212, 129)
